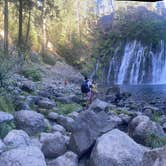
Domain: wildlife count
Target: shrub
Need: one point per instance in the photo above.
(48, 59)
(5, 128)
(156, 117)
(6, 104)
(67, 108)
(32, 74)
(155, 141)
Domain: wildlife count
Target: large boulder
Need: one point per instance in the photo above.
(5, 117)
(87, 127)
(66, 122)
(45, 103)
(16, 138)
(141, 127)
(2, 146)
(116, 148)
(23, 156)
(30, 121)
(28, 86)
(69, 159)
(155, 157)
(53, 145)
(56, 127)
(53, 116)
(99, 105)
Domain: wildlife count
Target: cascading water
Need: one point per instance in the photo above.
(140, 64)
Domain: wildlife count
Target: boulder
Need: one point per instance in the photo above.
(116, 148)
(5, 117)
(155, 157)
(53, 116)
(45, 103)
(68, 159)
(23, 156)
(73, 115)
(141, 127)
(87, 127)
(30, 121)
(36, 142)
(53, 145)
(66, 122)
(2, 146)
(16, 138)
(115, 119)
(28, 86)
(99, 105)
(56, 127)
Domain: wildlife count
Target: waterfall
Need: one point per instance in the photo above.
(140, 64)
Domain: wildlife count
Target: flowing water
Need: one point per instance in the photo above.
(139, 64)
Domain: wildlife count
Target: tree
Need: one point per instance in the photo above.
(6, 27)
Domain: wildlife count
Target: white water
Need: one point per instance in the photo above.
(142, 64)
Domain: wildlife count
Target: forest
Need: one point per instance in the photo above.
(82, 83)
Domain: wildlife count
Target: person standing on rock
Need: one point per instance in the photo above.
(86, 90)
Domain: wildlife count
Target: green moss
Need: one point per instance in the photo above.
(155, 117)
(6, 104)
(120, 111)
(32, 74)
(67, 108)
(5, 128)
(155, 141)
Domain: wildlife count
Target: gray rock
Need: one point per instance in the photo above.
(66, 122)
(28, 86)
(68, 159)
(30, 121)
(73, 115)
(141, 127)
(16, 138)
(53, 145)
(2, 146)
(115, 148)
(23, 156)
(36, 142)
(87, 127)
(115, 119)
(59, 128)
(46, 103)
(99, 105)
(125, 118)
(53, 116)
(5, 117)
(155, 157)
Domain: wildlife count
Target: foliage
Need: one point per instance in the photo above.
(67, 108)
(155, 141)
(49, 59)
(7, 68)
(5, 128)
(32, 73)
(156, 116)
(6, 103)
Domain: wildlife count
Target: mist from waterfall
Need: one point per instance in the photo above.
(140, 64)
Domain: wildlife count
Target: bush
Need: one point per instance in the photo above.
(154, 141)
(49, 59)
(5, 128)
(67, 108)
(32, 74)
(6, 104)
(156, 117)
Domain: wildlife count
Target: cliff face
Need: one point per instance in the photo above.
(132, 46)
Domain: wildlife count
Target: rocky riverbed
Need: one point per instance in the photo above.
(114, 131)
